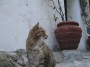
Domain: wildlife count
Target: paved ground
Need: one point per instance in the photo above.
(72, 58)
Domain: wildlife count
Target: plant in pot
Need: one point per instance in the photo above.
(85, 12)
(68, 33)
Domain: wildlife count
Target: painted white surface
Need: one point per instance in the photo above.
(17, 17)
(75, 15)
(13, 24)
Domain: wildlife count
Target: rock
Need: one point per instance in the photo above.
(21, 53)
(5, 62)
(58, 56)
(75, 58)
(13, 58)
(68, 58)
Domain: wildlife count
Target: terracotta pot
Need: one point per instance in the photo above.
(68, 35)
(88, 41)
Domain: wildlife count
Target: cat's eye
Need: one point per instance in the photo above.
(43, 31)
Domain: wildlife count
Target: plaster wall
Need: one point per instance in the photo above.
(17, 17)
(73, 14)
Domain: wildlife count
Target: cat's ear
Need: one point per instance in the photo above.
(36, 26)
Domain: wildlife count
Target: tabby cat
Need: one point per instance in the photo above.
(38, 53)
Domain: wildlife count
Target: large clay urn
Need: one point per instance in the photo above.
(68, 35)
(88, 42)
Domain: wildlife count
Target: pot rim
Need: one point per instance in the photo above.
(68, 23)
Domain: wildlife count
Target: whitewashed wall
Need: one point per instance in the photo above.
(17, 17)
(74, 13)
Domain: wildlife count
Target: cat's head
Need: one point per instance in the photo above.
(39, 32)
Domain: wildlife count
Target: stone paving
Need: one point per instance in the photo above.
(67, 58)
(72, 58)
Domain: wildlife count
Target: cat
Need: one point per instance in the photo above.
(38, 53)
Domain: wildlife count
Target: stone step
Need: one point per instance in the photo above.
(72, 58)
